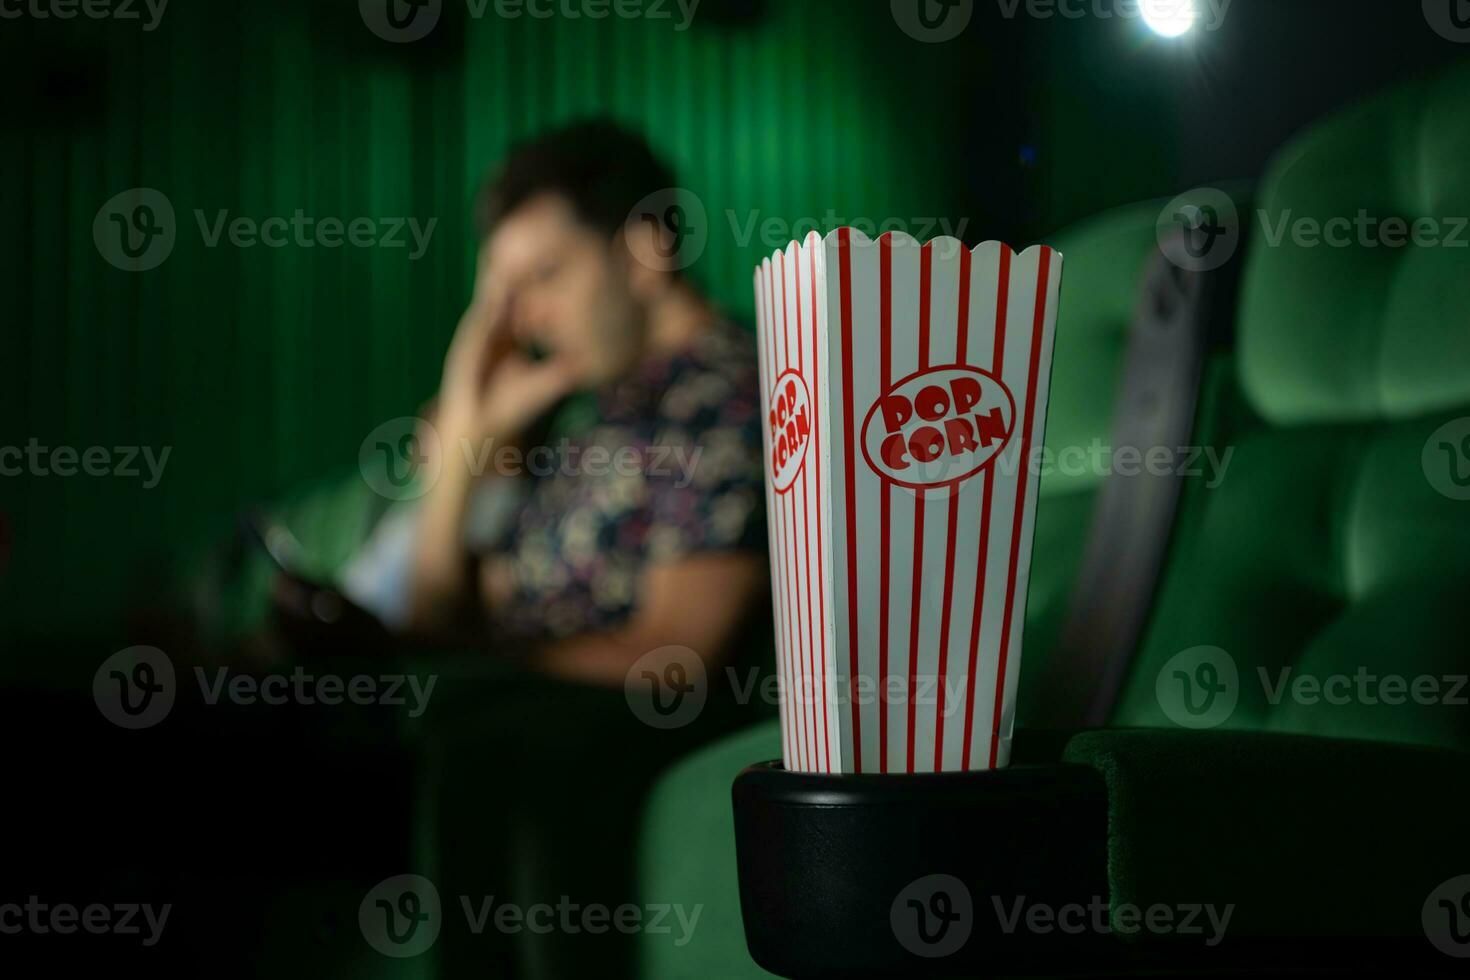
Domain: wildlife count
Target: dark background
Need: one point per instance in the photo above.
(263, 369)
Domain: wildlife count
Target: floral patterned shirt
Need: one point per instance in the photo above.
(670, 466)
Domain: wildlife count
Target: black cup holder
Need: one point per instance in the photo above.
(921, 875)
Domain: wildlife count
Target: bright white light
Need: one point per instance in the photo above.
(1169, 18)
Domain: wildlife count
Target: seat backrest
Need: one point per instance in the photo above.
(1319, 586)
(1106, 257)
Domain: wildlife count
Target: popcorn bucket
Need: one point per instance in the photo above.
(904, 389)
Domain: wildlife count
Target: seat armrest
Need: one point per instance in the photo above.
(1306, 837)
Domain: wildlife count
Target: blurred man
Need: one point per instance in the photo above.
(641, 527)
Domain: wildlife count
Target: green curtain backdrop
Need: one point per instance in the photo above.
(260, 368)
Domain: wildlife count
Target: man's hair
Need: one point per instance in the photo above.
(600, 168)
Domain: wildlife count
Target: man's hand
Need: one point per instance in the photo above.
(491, 389)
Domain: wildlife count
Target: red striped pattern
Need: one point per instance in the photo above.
(849, 434)
(885, 571)
(923, 565)
(962, 346)
(813, 242)
(1023, 481)
(997, 364)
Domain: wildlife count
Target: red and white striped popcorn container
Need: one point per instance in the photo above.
(904, 388)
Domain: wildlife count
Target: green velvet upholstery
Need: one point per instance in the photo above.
(687, 854)
(1326, 550)
(1209, 816)
(1329, 569)
(1363, 334)
(688, 847)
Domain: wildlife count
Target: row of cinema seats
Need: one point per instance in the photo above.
(1332, 556)
(515, 786)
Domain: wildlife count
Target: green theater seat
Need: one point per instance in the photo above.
(1328, 547)
(1290, 736)
(1320, 589)
(688, 846)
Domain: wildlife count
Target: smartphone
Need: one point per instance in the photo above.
(281, 546)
